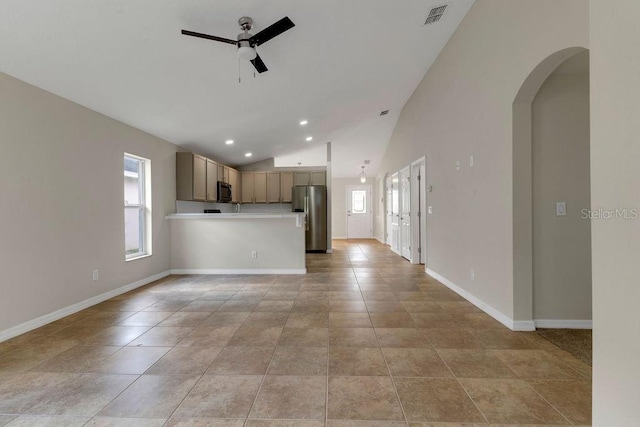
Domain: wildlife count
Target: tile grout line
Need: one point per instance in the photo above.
(462, 387)
(393, 381)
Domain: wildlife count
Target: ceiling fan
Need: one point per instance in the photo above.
(246, 43)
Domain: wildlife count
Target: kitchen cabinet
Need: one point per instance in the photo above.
(247, 186)
(273, 187)
(191, 177)
(212, 181)
(286, 182)
(301, 178)
(233, 178)
(318, 178)
(310, 178)
(260, 187)
(254, 187)
(223, 173)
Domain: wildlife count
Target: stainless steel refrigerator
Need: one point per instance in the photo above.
(312, 200)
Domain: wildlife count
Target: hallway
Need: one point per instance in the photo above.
(364, 336)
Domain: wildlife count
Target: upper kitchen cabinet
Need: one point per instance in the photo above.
(233, 178)
(318, 178)
(310, 178)
(260, 187)
(254, 187)
(223, 173)
(273, 187)
(247, 186)
(191, 177)
(301, 178)
(212, 181)
(286, 182)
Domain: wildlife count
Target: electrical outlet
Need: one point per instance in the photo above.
(430, 209)
(96, 274)
(254, 254)
(471, 161)
(472, 274)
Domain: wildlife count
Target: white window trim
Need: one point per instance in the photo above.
(145, 207)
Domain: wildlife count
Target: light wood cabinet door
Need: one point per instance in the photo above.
(260, 187)
(273, 187)
(301, 178)
(247, 187)
(286, 182)
(212, 181)
(233, 178)
(199, 177)
(318, 178)
(221, 172)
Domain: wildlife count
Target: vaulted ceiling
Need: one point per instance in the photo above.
(341, 65)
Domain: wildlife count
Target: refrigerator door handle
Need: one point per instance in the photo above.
(306, 213)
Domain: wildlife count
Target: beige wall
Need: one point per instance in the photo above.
(61, 186)
(615, 172)
(562, 244)
(339, 204)
(198, 245)
(463, 107)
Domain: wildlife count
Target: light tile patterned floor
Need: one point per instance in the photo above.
(364, 339)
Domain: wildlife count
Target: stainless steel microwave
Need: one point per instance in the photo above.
(224, 192)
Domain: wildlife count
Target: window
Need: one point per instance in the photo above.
(137, 207)
(359, 201)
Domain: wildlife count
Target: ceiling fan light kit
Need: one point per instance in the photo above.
(246, 43)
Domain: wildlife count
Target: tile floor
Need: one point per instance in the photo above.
(364, 339)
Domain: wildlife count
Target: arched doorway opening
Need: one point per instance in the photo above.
(542, 189)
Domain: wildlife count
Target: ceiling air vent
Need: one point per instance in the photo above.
(435, 14)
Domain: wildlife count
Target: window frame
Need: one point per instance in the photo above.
(143, 207)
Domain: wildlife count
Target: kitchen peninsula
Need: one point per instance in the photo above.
(237, 243)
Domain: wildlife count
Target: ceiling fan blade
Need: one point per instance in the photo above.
(271, 31)
(208, 37)
(260, 67)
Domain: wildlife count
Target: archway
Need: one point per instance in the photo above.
(523, 187)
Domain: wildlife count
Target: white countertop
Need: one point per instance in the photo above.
(299, 217)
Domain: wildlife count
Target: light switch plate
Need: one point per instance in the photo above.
(430, 209)
(471, 160)
(457, 166)
(561, 208)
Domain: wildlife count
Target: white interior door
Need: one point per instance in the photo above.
(359, 215)
(405, 213)
(395, 214)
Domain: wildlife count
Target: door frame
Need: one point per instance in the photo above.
(369, 203)
(418, 211)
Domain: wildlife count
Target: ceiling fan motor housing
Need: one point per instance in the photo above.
(245, 49)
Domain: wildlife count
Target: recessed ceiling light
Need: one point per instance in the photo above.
(309, 138)
(229, 141)
(248, 154)
(303, 122)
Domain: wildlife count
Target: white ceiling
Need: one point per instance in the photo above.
(343, 63)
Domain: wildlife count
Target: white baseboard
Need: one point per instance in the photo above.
(63, 312)
(563, 324)
(338, 237)
(239, 271)
(514, 325)
(381, 241)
